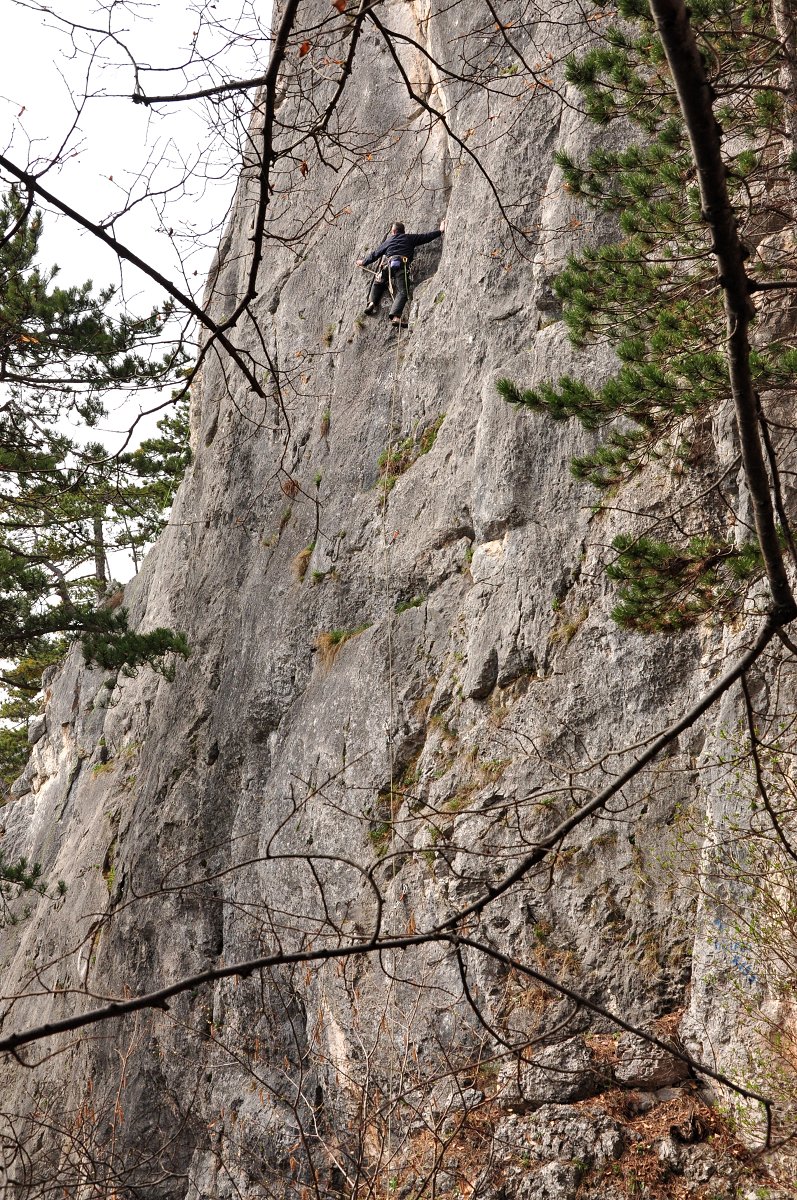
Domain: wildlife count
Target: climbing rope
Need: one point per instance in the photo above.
(387, 543)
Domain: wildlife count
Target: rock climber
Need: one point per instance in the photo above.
(397, 251)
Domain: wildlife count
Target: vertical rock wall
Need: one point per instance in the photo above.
(390, 694)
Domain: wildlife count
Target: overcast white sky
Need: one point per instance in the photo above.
(119, 149)
(42, 78)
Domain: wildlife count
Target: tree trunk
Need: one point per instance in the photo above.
(695, 100)
(100, 573)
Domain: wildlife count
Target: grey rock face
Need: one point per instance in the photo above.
(366, 744)
(559, 1074)
(37, 727)
(698, 1165)
(558, 1133)
(554, 1181)
(645, 1066)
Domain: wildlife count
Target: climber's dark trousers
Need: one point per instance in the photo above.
(400, 278)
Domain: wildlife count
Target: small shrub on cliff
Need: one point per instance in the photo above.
(398, 457)
(22, 682)
(17, 879)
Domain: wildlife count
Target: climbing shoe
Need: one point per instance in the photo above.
(370, 310)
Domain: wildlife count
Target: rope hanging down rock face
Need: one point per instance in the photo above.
(387, 543)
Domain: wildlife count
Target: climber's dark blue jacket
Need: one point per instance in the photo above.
(401, 245)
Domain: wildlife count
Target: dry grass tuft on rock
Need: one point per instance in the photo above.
(330, 641)
(301, 562)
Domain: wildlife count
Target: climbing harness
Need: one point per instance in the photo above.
(399, 260)
(383, 274)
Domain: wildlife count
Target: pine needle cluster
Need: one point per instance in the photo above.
(665, 589)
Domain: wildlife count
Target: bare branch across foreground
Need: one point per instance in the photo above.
(554, 839)
(160, 1000)
(448, 932)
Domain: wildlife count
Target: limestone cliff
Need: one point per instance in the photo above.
(402, 672)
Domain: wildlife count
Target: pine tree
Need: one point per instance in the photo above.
(65, 502)
(654, 295)
(21, 682)
(148, 479)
